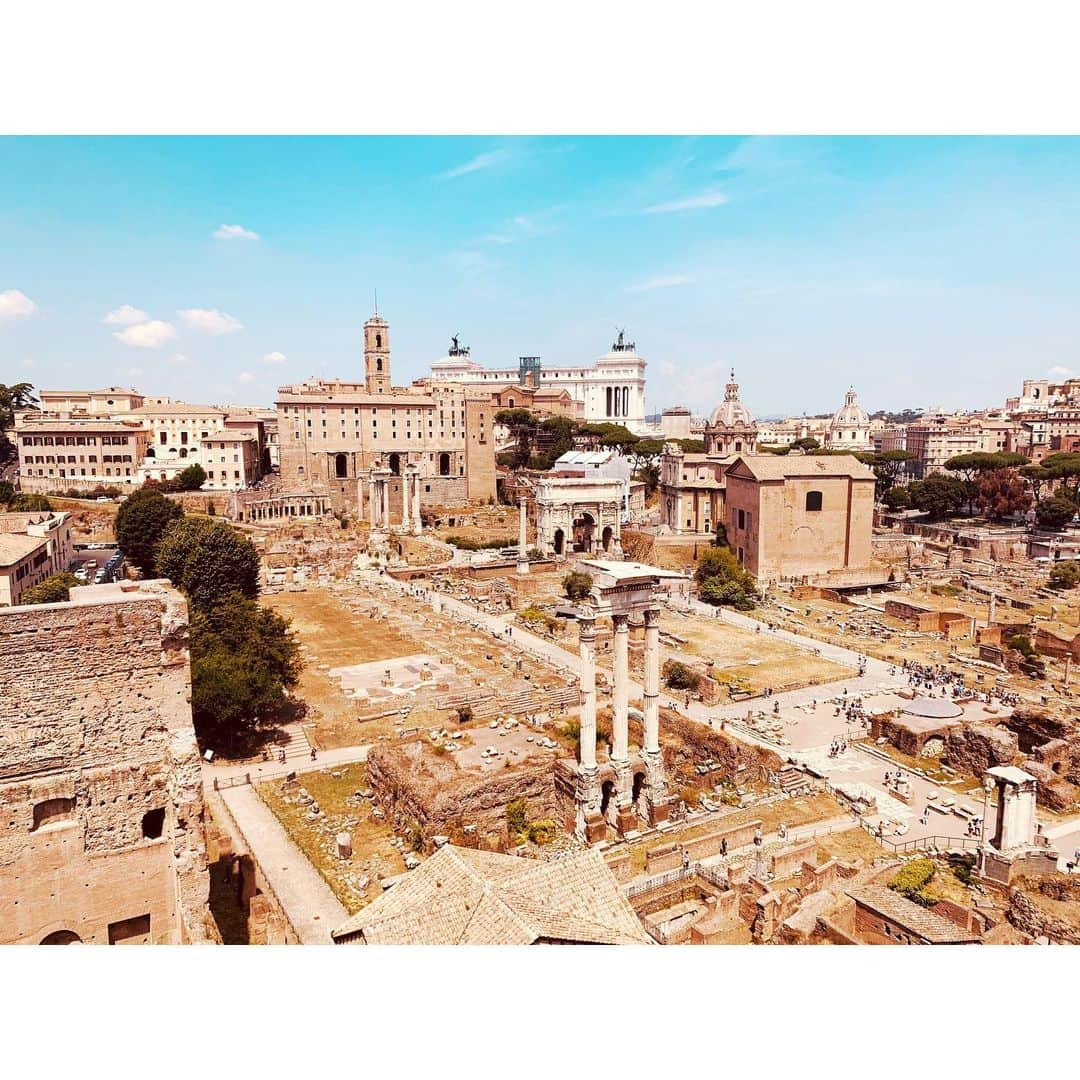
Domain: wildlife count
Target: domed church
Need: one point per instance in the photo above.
(732, 428)
(849, 428)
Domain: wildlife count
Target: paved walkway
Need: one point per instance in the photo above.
(271, 770)
(307, 900)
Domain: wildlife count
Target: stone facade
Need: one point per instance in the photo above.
(100, 781)
(790, 518)
(331, 434)
(578, 514)
(33, 546)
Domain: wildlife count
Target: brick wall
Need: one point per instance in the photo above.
(95, 735)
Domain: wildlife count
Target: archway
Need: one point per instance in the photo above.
(605, 537)
(607, 800)
(183, 451)
(395, 464)
(444, 464)
(637, 794)
(560, 540)
(583, 532)
(341, 466)
(62, 937)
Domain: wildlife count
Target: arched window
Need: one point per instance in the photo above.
(62, 937)
(378, 363)
(444, 464)
(813, 500)
(341, 466)
(378, 341)
(395, 464)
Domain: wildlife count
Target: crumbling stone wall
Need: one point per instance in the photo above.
(416, 786)
(100, 782)
(1047, 907)
(974, 748)
(686, 744)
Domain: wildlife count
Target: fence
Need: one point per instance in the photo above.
(935, 843)
(711, 874)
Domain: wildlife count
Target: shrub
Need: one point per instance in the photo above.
(464, 714)
(7, 492)
(723, 580)
(912, 879)
(680, 676)
(722, 593)
(1022, 644)
(467, 544)
(29, 501)
(1055, 512)
(1065, 575)
(944, 590)
(541, 832)
(191, 479)
(577, 585)
(52, 590)
(690, 796)
(517, 817)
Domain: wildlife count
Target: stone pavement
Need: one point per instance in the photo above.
(270, 770)
(307, 900)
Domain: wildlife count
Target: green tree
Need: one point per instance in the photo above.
(1064, 575)
(577, 585)
(887, 466)
(969, 467)
(722, 593)
(141, 522)
(723, 580)
(208, 559)
(1066, 468)
(27, 500)
(806, 443)
(1036, 476)
(12, 398)
(244, 662)
(1055, 512)
(53, 590)
(937, 495)
(680, 676)
(897, 498)
(192, 478)
(7, 492)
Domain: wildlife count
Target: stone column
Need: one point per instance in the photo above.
(360, 497)
(405, 501)
(652, 681)
(373, 503)
(620, 729)
(385, 502)
(418, 521)
(523, 554)
(587, 738)
(993, 609)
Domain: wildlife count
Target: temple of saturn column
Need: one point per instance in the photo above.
(627, 787)
(378, 505)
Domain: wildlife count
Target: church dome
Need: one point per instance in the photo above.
(731, 412)
(851, 414)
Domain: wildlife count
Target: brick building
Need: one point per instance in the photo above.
(100, 781)
(800, 516)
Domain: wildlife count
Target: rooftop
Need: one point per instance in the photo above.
(776, 467)
(16, 546)
(464, 897)
(933, 928)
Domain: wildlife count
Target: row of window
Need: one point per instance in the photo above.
(74, 440)
(69, 459)
(82, 472)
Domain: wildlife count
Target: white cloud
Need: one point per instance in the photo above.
(15, 305)
(704, 200)
(147, 335)
(667, 281)
(246, 377)
(210, 321)
(1061, 372)
(274, 358)
(125, 315)
(234, 232)
(481, 161)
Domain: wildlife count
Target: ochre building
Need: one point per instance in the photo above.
(332, 434)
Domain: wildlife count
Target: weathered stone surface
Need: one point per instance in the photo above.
(974, 748)
(100, 781)
(1053, 791)
(1048, 907)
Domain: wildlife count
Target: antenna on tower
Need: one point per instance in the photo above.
(376, 301)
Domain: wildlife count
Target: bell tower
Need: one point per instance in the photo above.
(377, 354)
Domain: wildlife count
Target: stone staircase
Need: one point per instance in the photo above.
(535, 700)
(296, 745)
(792, 780)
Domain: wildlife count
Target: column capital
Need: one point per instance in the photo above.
(621, 621)
(652, 616)
(587, 626)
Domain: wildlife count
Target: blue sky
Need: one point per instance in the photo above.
(922, 270)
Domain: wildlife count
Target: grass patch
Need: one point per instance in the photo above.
(341, 812)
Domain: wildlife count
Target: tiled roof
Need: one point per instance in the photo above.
(15, 547)
(777, 467)
(464, 897)
(911, 916)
